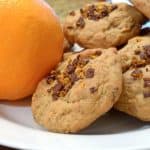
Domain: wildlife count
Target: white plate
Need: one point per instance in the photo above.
(115, 131)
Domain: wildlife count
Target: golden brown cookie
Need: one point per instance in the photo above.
(103, 24)
(134, 52)
(81, 89)
(135, 98)
(67, 45)
(143, 6)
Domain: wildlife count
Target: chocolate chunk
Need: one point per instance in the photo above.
(48, 90)
(49, 80)
(137, 52)
(93, 90)
(138, 63)
(73, 77)
(51, 76)
(70, 68)
(89, 73)
(147, 50)
(98, 53)
(80, 22)
(137, 74)
(146, 82)
(81, 11)
(55, 96)
(92, 13)
(70, 27)
(58, 87)
(75, 61)
(146, 95)
(104, 13)
(92, 8)
(143, 55)
(114, 7)
(67, 88)
(147, 70)
(83, 61)
(72, 13)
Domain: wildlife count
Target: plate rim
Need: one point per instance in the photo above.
(46, 140)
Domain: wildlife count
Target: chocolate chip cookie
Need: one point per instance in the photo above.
(82, 88)
(143, 6)
(67, 45)
(135, 98)
(135, 52)
(103, 24)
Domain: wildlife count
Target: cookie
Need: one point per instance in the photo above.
(134, 53)
(143, 6)
(135, 59)
(103, 24)
(135, 99)
(67, 46)
(81, 89)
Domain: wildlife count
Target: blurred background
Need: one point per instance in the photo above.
(62, 7)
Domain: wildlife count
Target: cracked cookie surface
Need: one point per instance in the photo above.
(103, 25)
(135, 98)
(82, 88)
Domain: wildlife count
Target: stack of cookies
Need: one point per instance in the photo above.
(113, 70)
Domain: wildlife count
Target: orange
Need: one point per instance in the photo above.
(31, 44)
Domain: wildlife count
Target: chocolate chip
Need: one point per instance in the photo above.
(98, 53)
(143, 55)
(146, 95)
(147, 50)
(70, 27)
(48, 90)
(137, 52)
(137, 74)
(92, 13)
(51, 77)
(83, 61)
(67, 88)
(55, 96)
(81, 11)
(93, 90)
(90, 73)
(147, 69)
(58, 87)
(80, 22)
(114, 7)
(73, 77)
(138, 63)
(104, 13)
(146, 82)
(92, 8)
(72, 13)
(70, 68)
(75, 61)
